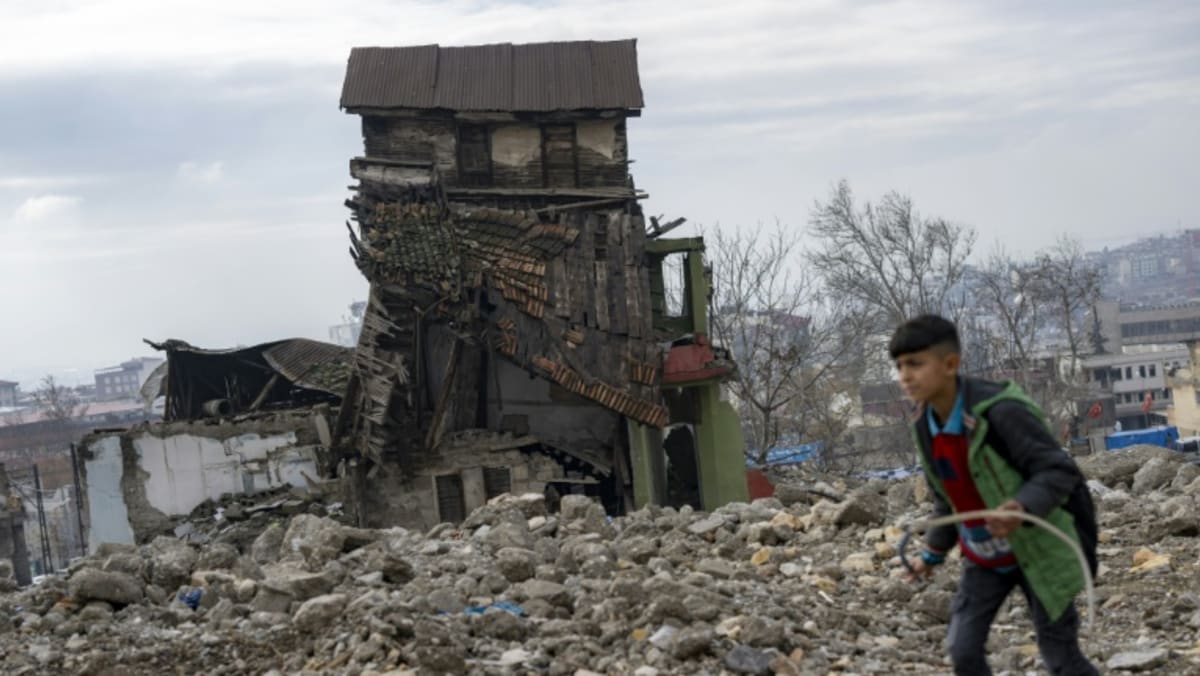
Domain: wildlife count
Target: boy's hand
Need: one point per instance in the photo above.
(920, 569)
(1002, 527)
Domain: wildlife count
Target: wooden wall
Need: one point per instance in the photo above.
(518, 149)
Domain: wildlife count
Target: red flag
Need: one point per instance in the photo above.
(1095, 411)
(1147, 403)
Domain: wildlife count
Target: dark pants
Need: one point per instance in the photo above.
(981, 591)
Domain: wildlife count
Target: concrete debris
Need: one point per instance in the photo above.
(745, 660)
(758, 588)
(1140, 660)
(1153, 475)
(94, 584)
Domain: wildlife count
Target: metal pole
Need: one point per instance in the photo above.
(78, 501)
(45, 532)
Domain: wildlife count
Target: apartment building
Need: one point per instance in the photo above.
(1138, 380)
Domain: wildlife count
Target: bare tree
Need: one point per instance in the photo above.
(1011, 295)
(887, 258)
(59, 402)
(1071, 285)
(788, 342)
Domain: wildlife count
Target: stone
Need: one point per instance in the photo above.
(1137, 660)
(235, 512)
(301, 585)
(1181, 525)
(746, 660)
(791, 569)
(316, 539)
(901, 496)
(761, 632)
(1185, 475)
(502, 625)
(761, 557)
(92, 584)
(107, 549)
(581, 514)
(126, 562)
(446, 600)
(267, 545)
(517, 564)
(790, 494)
(244, 590)
(863, 507)
(217, 556)
(718, 568)
(884, 550)
(95, 611)
(319, 611)
(435, 659)
(1146, 559)
(392, 567)
(824, 583)
(935, 604)
(171, 561)
(692, 642)
(789, 665)
(639, 549)
(270, 599)
(663, 637)
(707, 525)
(1155, 474)
(543, 590)
(861, 562)
(508, 535)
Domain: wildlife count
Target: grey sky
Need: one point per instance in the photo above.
(178, 169)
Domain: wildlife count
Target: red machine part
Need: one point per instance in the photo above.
(692, 363)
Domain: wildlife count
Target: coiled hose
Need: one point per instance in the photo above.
(926, 524)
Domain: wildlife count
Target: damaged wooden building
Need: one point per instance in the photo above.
(526, 329)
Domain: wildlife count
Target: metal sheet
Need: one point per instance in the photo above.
(538, 77)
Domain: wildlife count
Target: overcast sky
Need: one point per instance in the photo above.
(177, 169)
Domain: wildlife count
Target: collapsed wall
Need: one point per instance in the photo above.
(137, 482)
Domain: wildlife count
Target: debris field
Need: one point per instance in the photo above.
(805, 582)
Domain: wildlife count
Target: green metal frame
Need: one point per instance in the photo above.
(720, 448)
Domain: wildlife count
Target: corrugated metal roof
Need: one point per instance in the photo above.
(503, 77)
(311, 364)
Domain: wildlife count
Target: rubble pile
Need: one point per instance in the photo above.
(796, 584)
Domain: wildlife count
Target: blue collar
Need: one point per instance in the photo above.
(954, 425)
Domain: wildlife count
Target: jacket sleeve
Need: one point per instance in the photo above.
(942, 538)
(1050, 473)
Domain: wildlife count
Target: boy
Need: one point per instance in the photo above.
(986, 445)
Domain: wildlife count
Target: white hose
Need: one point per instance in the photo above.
(926, 524)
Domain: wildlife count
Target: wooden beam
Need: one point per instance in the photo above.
(262, 395)
(434, 437)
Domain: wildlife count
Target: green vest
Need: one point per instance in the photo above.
(1048, 564)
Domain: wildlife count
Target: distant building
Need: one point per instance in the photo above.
(1137, 381)
(1160, 270)
(346, 334)
(8, 394)
(883, 403)
(1124, 324)
(124, 380)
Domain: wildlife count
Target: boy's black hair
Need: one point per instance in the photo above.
(922, 333)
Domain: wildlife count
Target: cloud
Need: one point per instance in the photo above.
(44, 182)
(1024, 119)
(201, 174)
(48, 210)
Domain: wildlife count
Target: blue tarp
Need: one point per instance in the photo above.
(1163, 435)
(894, 473)
(788, 455)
